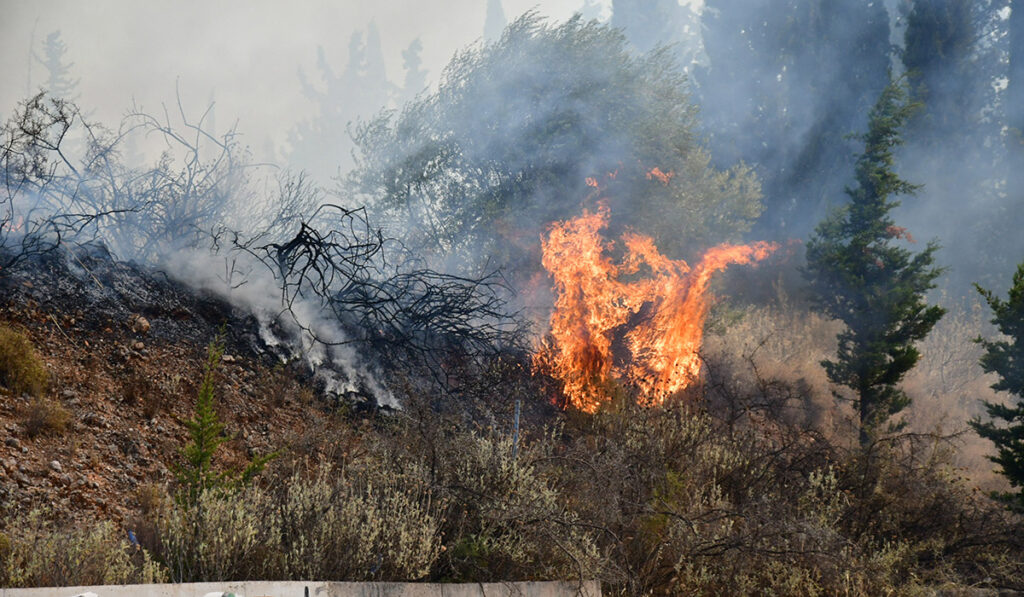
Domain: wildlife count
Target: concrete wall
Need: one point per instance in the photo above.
(325, 589)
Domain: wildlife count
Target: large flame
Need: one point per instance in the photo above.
(653, 305)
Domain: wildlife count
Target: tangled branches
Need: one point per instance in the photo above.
(382, 297)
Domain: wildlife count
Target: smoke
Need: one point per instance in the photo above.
(303, 331)
(471, 175)
(786, 83)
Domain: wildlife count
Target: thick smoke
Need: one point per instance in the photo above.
(784, 86)
(472, 174)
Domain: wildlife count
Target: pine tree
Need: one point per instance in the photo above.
(58, 80)
(858, 274)
(1006, 358)
(415, 76)
(197, 474)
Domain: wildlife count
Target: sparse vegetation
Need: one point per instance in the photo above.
(45, 415)
(196, 476)
(21, 371)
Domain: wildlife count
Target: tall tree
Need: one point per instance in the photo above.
(938, 45)
(59, 82)
(1005, 357)
(322, 145)
(955, 62)
(858, 273)
(415, 76)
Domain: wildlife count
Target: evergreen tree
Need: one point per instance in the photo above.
(858, 274)
(955, 63)
(206, 432)
(1005, 358)
(937, 53)
(54, 59)
(322, 145)
(415, 76)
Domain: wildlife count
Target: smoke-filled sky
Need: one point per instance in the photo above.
(245, 54)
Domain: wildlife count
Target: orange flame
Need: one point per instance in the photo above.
(14, 225)
(657, 174)
(659, 317)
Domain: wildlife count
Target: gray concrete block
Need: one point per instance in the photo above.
(324, 589)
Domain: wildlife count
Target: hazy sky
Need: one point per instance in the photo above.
(243, 53)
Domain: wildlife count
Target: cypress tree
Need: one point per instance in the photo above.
(858, 272)
(1005, 357)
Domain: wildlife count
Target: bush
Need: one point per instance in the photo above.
(46, 416)
(20, 369)
(374, 524)
(42, 553)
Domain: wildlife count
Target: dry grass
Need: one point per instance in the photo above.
(786, 346)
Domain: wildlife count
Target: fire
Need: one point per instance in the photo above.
(647, 305)
(13, 226)
(657, 174)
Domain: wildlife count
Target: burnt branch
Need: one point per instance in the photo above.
(382, 297)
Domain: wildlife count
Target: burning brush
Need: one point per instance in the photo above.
(653, 306)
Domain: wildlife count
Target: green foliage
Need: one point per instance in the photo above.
(858, 274)
(505, 145)
(20, 368)
(1005, 357)
(197, 474)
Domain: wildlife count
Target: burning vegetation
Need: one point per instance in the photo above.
(671, 428)
(648, 306)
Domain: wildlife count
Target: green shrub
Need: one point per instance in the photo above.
(20, 368)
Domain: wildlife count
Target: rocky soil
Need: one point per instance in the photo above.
(125, 351)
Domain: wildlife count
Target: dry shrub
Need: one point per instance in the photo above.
(41, 553)
(21, 370)
(371, 524)
(770, 357)
(508, 518)
(224, 536)
(368, 524)
(44, 415)
(948, 387)
(138, 389)
(689, 504)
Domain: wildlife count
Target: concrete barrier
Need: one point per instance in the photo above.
(322, 589)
